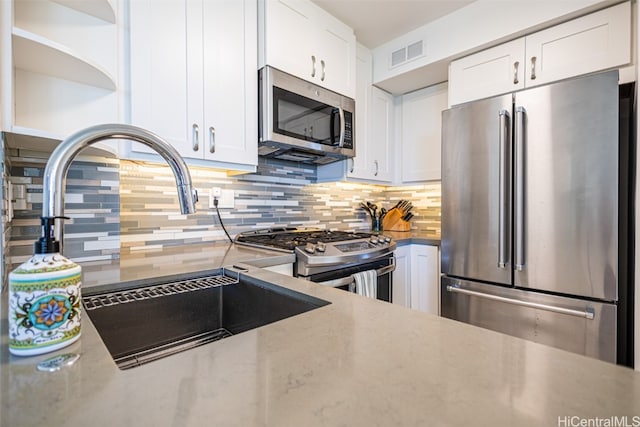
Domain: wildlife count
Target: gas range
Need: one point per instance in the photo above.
(319, 250)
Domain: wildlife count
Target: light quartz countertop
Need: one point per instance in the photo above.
(354, 362)
(414, 237)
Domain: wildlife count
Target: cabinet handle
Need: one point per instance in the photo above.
(515, 72)
(322, 64)
(194, 137)
(533, 67)
(313, 66)
(212, 139)
(353, 165)
(375, 162)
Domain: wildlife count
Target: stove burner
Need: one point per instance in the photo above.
(289, 238)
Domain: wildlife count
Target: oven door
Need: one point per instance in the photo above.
(342, 278)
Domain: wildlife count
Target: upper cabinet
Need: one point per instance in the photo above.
(421, 133)
(595, 42)
(299, 38)
(194, 78)
(374, 127)
(490, 72)
(60, 66)
(592, 43)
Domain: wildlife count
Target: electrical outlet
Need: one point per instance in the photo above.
(226, 198)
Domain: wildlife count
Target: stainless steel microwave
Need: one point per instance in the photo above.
(303, 122)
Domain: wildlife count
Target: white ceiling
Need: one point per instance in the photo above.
(375, 22)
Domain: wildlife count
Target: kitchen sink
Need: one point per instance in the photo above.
(145, 323)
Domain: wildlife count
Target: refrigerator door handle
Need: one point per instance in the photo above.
(520, 117)
(587, 314)
(504, 136)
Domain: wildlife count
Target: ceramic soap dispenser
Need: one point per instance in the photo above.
(44, 299)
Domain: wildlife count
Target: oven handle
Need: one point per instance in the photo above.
(349, 279)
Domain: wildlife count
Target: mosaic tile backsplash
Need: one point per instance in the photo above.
(119, 206)
(92, 202)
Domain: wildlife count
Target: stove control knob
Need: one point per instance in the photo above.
(387, 239)
(373, 240)
(321, 247)
(310, 248)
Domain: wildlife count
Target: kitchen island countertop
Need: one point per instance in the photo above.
(355, 362)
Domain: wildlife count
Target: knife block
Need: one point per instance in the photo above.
(393, 221)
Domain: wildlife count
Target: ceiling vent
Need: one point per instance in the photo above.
(407, 53)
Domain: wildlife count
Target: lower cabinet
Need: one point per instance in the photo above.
(402, 277)
(416, 280)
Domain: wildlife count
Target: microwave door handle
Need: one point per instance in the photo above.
(342, 127)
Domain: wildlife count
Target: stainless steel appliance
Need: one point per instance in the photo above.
(302, 122)
(535, 216)
(331, 257)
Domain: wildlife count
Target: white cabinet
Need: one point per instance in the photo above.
(402, 277)
(421, 133)
(416, 280)
(374, 127)
(425, 278)
(594, 42)
(60, 66)
(300, 38)
(487, 73)
(193, 78)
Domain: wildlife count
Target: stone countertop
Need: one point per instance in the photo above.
(431, 238)
(176, 260)
(356, 362)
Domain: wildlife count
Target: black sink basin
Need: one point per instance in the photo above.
(146, 323)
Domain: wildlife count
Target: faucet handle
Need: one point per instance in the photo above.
(195, 196)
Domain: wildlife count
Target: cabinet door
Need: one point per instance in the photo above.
(229, 81)
(158, 32)
(303, 40)
(425, 278)
(358, 164)
(374, 126)
(421, 130)
(336, 47)
(380, 134)
(402, 277)
(591, 43)
(289, 33)
(490, 72)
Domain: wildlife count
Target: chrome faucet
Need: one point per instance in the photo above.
(55, 173)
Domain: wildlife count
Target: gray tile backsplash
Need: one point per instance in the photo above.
(92, 202)
(119, 206)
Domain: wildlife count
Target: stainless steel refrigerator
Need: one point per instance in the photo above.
(535, 216)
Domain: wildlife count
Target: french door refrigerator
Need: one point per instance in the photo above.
(534, 216)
